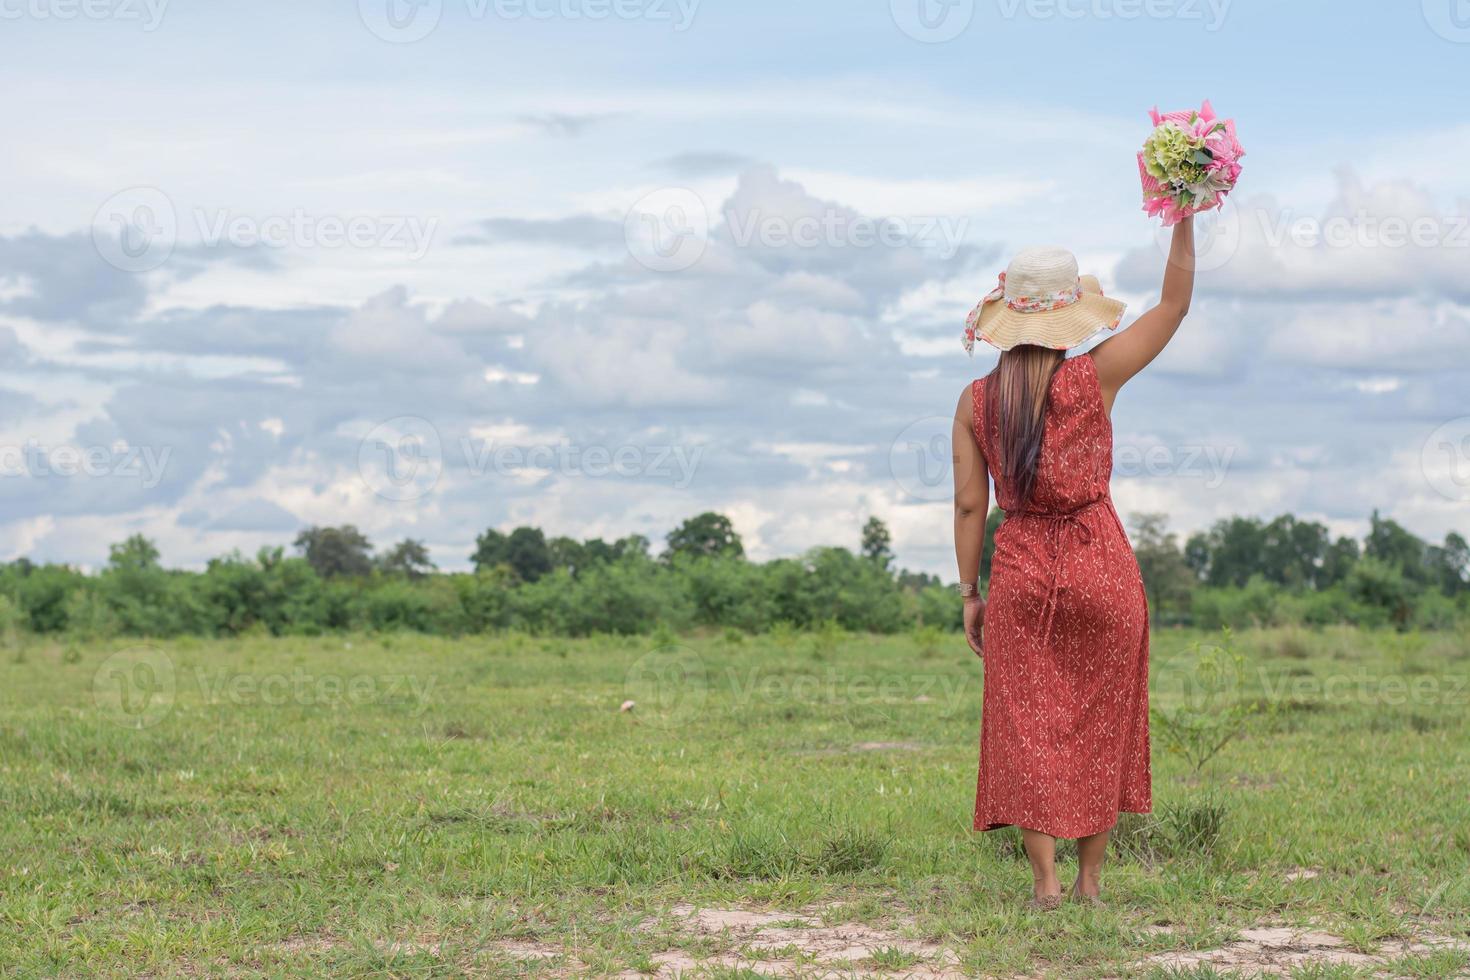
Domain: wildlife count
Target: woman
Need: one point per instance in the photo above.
(1064, 738)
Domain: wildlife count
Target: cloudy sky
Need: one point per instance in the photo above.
(597, 265)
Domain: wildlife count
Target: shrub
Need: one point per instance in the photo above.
(1435, 611)
(88, 615)
(940, 607)
(724, 591)
(1253, 604)
(41, 594)
(12, 618)
(1377, 584)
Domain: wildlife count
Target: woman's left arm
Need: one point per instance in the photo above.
(971, 502)
(1121, 357)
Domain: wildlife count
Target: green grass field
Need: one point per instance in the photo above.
(414, 806)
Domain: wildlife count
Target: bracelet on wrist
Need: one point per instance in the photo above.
(969, 590)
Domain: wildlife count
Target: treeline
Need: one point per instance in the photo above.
(1284, 571)
(1241, 572)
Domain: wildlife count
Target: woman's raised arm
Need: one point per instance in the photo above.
(1121, 357)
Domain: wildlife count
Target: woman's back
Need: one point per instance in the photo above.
(1076, 458)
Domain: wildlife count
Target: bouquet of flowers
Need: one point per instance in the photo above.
(1188, 163)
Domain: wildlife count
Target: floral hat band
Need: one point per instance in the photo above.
(1031, 304)
(1046, 304)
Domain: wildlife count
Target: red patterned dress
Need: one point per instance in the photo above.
(1064, 738)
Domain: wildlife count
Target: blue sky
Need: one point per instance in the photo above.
(405, 283)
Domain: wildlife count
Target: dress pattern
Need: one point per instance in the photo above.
(1064, 735)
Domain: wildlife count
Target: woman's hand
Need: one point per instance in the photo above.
(975, 624)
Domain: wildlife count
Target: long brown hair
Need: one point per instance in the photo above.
(1016, 396)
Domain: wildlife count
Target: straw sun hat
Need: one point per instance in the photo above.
(1041, 300)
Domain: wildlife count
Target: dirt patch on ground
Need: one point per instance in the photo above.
(801, 943)
(1277, 950)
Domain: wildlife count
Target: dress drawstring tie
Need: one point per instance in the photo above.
(1058, 526)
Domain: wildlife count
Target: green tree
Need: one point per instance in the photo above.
(1448, 563)
(917, 581)
(1391, 544)
(1167, 577)
(524, 551)
(336, 551)
(877, 543)
(632, 546)
(491, 551)
(1292, 551)
(571, 554)
(1197, 555)
(137, 553)
(708, 535)
(1236, 546)
(408, 558)
(1338, 562)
